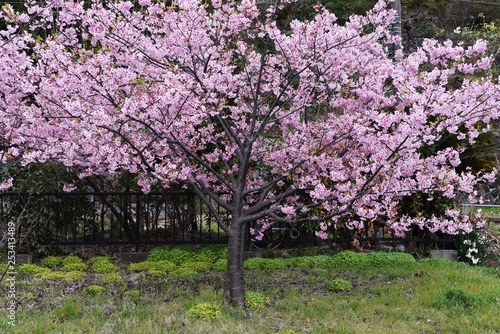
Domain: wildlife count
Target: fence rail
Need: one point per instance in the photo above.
(109, 218)
(126, 218)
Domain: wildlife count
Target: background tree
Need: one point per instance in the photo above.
(311, 123)
(439, 18)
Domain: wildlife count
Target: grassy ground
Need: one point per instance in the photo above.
(488, 211)
(428, 296)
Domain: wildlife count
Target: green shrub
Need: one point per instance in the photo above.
(203, 255)
(220, 265)
(339, 284)
(220, 251)
(140, 266)
(71, 259)
(159, 253)
(352, 260)
(99, 259)
(51, 261)
(104, 267)
(111, 278)
(74, 275)
(210, 253)
(29, 269)
(256, 300)
(265, 264)
(182, 254)
(94, 290)
(186, 273)
(198, 266)
(346, 259)
(255, 263)
(74, 267)
(163, 265)
(177, 255)
(299, 261)
(381, 259)
(54, 275)
(205, 311)
(73, 263)
(156, 273)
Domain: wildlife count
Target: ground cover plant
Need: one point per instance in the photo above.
(346, 292)
(313, 122)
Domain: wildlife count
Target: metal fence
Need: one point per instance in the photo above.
(374, 234)
(109, 218)
(157, 218)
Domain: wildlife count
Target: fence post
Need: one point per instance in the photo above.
(396, 25)
(137, 223)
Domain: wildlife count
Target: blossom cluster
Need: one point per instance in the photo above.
(473, 247)
(472, 253)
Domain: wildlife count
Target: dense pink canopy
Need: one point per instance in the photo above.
(315, 122)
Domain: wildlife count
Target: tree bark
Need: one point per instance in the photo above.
(235, 281)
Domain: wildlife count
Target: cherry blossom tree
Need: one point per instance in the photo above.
(312, 123)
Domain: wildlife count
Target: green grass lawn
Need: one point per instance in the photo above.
(381, 293)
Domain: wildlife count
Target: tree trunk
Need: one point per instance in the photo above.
(235, 281)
